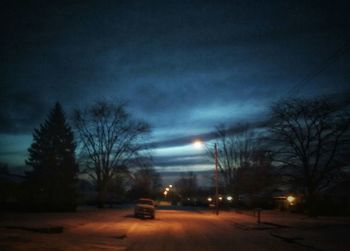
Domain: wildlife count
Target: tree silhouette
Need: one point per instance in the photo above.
(52, 180)
(146, 183)
(243, 161)
(310, 137)
(110, 139)
(187, 186)
(3, 168)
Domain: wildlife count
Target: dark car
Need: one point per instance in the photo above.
(145, 207)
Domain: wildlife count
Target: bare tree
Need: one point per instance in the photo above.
(147, 183)
(187, 186)
(109, 139)
(310, 137)
(258, 177)
(241, 161)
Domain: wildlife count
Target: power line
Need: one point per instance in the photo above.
(322, 67)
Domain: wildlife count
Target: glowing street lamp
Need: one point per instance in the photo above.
(198, 144)
(291, 200)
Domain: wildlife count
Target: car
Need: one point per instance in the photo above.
(145, 207)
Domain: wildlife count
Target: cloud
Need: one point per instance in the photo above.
(184, 67)
(208, 136)
(21, 110)
(180, 160)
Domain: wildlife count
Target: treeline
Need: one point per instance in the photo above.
(301, 149)
(104, 144)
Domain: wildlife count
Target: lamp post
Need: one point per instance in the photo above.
(216, 180)
(198, 144)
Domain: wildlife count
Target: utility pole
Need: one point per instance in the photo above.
(216, 180)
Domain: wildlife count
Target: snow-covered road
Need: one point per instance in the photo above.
(117, 229)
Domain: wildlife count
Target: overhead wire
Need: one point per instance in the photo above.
(321, 68)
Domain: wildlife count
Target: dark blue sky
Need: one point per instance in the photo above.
(184, 66)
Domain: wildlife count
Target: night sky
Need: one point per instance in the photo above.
(183, 66)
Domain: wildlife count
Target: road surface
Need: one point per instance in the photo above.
(177, 230)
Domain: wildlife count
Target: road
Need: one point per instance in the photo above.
(177, 230)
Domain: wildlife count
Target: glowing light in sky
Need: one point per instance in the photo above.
(198, 144)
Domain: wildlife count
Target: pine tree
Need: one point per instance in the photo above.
(52, 180)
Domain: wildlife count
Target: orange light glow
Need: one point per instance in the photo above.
(291, 199)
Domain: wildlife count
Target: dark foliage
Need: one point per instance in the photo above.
(51, 184)
(186, 186)
(10, 189)
(146, 183)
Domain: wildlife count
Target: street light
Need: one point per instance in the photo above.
(291, 200)
(198, 144)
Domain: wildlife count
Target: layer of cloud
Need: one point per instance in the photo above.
(185, 67)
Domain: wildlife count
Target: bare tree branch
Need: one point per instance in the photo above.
(309, 136)
(109, 140)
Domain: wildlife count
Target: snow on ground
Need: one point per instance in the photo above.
(117, 229)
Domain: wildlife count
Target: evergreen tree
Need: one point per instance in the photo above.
(52, 181)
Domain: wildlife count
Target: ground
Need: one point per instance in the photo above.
(180, 230)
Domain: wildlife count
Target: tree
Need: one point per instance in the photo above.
(146, 183)
(52, 180)
(187, 186)
(4, 168)
(10, 188)
(310, 137)
(118, 185)
(109, 139)
(244, 163)
(258, 177)
(4, 184)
